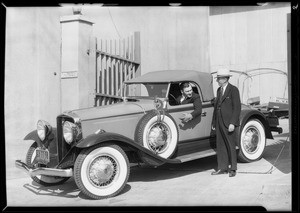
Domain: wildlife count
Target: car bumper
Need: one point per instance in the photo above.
(276, 129)
(43, 171)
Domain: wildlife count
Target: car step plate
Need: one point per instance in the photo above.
(196, 155)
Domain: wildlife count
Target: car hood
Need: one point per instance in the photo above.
(112, 110)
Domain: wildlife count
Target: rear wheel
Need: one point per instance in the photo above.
(42, 179)
(252, 141)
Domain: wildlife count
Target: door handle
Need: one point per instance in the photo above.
(203, 114)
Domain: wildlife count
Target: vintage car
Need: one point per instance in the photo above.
(98, 145)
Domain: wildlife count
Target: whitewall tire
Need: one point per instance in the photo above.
(252, 141)
(101, 171)
(158, 135)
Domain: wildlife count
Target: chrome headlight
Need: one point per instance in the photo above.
(43, 129)
(69, 131)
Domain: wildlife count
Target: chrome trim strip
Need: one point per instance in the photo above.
(114, 116)
(44, 171)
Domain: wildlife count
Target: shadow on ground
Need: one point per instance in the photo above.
(66, 190)
(278, 154)
(170, 171)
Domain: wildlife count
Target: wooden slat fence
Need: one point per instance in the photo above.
(116, 61)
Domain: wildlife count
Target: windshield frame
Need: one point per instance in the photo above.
(125, 97)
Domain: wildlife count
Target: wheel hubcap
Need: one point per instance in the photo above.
(102, 171)
(251, 140)
(158, 137)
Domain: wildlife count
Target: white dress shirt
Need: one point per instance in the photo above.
(224, 88)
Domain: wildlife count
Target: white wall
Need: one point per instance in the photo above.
(244, 38)
(171, 38)
(32, 90)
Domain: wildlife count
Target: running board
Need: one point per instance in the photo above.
(197, 155)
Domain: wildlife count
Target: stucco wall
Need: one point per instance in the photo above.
(245, 38)
(32, 90)
(171, 38)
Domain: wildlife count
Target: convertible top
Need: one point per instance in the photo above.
(203, 79)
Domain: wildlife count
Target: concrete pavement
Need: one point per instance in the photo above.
(264, 183)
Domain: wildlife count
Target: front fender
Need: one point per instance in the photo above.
(51, 138)
(33, 136)
(250, 113)
(121, 140)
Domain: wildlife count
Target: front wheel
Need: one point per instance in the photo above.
(252, 141)
(42, 179)
(101, 171)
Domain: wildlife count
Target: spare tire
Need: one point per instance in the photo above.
(157, 135)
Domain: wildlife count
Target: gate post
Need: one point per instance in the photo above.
(76, 92)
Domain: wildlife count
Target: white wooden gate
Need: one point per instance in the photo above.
(115, 62)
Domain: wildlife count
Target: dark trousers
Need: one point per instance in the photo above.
(226, 142)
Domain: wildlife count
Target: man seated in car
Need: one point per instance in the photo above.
(188, 96)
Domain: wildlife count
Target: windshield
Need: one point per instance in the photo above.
(146, 90)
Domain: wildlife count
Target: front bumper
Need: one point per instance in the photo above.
(44, 171)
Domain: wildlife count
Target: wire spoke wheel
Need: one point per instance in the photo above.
(101, 171)
(158, 137)
(252, 141)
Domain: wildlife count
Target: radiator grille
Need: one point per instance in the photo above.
(62, 146)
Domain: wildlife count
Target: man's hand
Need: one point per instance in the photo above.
(231, 128)
(213, 128)
(186, 117)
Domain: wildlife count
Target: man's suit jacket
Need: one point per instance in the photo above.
(230, 106)
(195, 99)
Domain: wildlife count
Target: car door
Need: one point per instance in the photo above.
(198, 129)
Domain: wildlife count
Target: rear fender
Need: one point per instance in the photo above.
(247, 114)
(122, 141)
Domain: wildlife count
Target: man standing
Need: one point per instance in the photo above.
(227, 109)
(189, 97)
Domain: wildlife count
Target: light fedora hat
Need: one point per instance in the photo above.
(223, 72)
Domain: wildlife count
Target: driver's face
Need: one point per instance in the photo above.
(188, 91)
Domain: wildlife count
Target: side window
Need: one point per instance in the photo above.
(195, 88)
(175, 92)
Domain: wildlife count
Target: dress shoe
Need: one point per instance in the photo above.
(219, 172)
(232, 173)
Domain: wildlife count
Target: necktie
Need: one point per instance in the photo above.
(220, 95)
